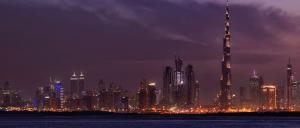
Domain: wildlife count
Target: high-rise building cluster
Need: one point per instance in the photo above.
(292, 88)
(180, 87)
(50, 97)
(10, 98)
(179, 92)
(112, 97)
(262, 96)
(53, 97)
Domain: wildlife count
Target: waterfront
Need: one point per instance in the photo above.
(154, 121)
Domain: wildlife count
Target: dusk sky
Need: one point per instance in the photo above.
(123, 41)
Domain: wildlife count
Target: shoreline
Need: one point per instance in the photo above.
(144, 115)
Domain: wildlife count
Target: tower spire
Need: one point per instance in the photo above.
(226, 83)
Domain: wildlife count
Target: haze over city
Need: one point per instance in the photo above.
(125, 41)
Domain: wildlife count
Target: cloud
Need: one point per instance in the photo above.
(137, 37)
(259, 29)
(114, 11)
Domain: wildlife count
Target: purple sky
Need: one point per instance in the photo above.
(124, 41)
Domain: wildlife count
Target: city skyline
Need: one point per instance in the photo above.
(61, 55)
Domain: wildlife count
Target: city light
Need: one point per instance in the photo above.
(177, 92)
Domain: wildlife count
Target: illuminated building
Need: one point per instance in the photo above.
(39, 98)
(6, 94)
(117, 96)
(281, 102)
(46, 98)
(295, 95)
(11, 98)
(197, 94)
(59, 94)
(146, 95)
(289, 70)
(179, 86)
(245, 97)
(89, 101)
(132, 102)
(1, 96)
(178, 91)
(190, 84)
(225, 98)
(255, 85)
(51, 93)
(110, 98)
(81, 82)
(73, 104)
(151, 95)
(268, 97)
(77, 85)
(142, 95)
(101, 85)
(101, 93)
(74, 87)
(158, 97)
(125, 103)
(168, 82)
(16, 99)
(106, 99)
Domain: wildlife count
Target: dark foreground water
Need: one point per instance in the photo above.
(140, 122)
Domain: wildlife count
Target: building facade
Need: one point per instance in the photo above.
(269, 97)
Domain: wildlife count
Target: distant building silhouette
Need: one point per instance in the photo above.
(255, 85)
(190, 86)
(168, 83)
(289, 71)
(146, 95)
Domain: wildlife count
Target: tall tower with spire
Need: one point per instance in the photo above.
(226, 91)
(289, 71)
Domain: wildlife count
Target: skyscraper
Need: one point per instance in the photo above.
(151, 95)
(39, 99)
(245, 97)
(269, 97)
(146, 95)
(255, 85)
(142, 95)
(7, 100)
(59, 92)
(197, 94)
(81, 84)
(190, 85)
(178, 89)
(289, 70)
(281, 102)
(168, 82)
(102, 94)
(74, 86)
(226, 85)
(89, 101)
